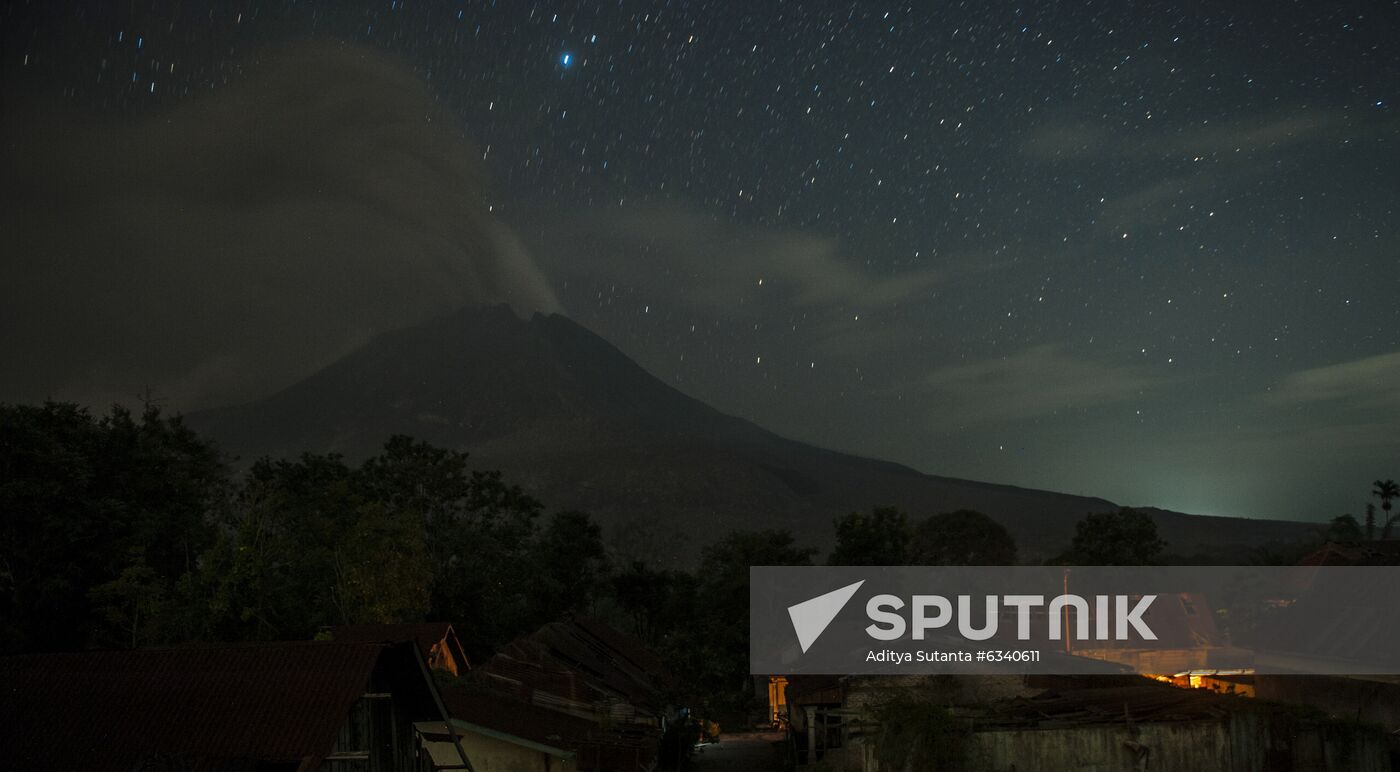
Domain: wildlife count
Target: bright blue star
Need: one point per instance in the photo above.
(566, 60)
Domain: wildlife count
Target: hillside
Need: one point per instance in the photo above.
(576, 422)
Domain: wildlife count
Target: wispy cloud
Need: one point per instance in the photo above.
(1072, 140)
(1273, 133)
(1245, 146)
(1371, 383)
(181, 249)
(1152, 205)
(711, 262)
(1037, 381)
(1068, 141)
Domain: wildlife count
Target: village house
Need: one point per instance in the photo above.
(586, 669)
(501, 734)
(574, 695)
(1187, 639)
(1364, 625)
(265, 707)
(589, 688)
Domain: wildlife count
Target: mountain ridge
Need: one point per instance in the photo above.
(579, 424)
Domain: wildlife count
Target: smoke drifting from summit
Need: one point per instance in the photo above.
(223, 248)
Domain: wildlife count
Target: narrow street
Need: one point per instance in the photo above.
(747, 752)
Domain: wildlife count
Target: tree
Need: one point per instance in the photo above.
(1370, 521)
(408, 534)
(962, 538)
(724, 566)
(1123, 538)
(573, 564)
(714, 651)
(117, 503)
(661, 604)
(130, 607)
(382, 570)
(1344, 529)
(880, 538)
(919, 731)
(277, 570)
(1387, 491)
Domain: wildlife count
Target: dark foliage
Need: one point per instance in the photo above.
(962, 538)
(1123, 538)
(101, 524)
(880, 538)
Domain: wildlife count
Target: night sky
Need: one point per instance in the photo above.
(1140, 250)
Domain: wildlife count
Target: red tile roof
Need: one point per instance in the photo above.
(208, 705)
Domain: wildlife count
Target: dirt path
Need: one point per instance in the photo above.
(753, 752)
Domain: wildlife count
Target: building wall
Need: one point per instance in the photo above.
(1178, 746)
(1348, 698)
(871, 691)
(1246, 743)
(489, 754)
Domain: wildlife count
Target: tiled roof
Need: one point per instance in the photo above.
(525, 666)
(494, 711)
(1347, 618)
(628, 647)
(583, 661)
(207, 706)
(1369, 553)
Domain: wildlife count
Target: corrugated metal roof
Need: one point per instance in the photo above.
(1344, 619)
(494, 711)
(629, 648)
(206, 705)
(1369, 553)
(527, 667)
(583, 661)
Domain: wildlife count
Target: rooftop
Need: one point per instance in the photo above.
(208, 705)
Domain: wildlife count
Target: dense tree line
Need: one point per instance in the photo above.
(130, 530)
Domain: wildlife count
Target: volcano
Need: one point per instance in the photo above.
(570, 418)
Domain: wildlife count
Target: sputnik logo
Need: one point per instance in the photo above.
(811, 617)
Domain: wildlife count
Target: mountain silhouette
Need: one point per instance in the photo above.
(573, 420)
